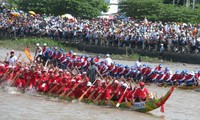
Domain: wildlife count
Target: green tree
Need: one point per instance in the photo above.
(140, 8)
(78, 8)
(156, 10)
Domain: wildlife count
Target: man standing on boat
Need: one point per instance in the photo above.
(137, 63)
(38, 53)
(92, 72)
(12, 60)
(108, 61)
(140, 93)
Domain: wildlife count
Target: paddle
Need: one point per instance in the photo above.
(109, 100)
(14, 80)
(68, 94)
(128, 104)
(62, 87)
(92, 94)
(80, 98)
(52, 89)
(121, 98)
(5, 74)
(46, 63)
(100, 75)
(97, 98)
(77, 70)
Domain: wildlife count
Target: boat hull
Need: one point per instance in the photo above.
(142, 106)
(153, 104)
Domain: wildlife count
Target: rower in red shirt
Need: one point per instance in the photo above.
(181, 78)
(159, 68)
(69, 54)
(144, 69)
(168, 78)
(140, 93)
(190, 79)
(96, 59)
(126, 72)
(74, 56)
(153, 77)
(59, 54)
(116, 90)
(114, 71)
(174, 78)
(55, 52)
(2, 69)
(160, 78)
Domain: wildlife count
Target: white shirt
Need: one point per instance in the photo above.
(12, 61)
(39, 51)
(137, 64)
(108, 61)
(162, 49)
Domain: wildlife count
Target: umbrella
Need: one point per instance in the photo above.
(67, 16)
(16, 14)
(110, 17)
(32, 12)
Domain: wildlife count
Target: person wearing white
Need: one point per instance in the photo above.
(12, 60)
(38, 50)
(137, 63)
(38, 53)
(108, 60)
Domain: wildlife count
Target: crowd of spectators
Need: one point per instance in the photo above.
(128, 32)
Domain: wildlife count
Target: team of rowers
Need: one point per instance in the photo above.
(69, 75)
(67, 83)
(107, 67)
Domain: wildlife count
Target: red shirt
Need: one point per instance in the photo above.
(141, 93)
(96, 60)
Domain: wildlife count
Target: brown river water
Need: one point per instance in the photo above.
(182, 105)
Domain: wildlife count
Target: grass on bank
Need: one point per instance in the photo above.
(21, 43)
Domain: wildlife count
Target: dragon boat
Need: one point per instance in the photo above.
(143, 107)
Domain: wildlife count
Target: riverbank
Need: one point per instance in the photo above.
(21, 43)
(118, 53)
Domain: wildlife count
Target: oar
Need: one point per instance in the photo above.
(80, 98)
(52, 89)
(100, 75)
(97, 98)
(46, 63)
(14, 80)
(62, 87)
(78, 70)
(5, 74)
(27, 83)
(92, 94)
(109, 100)
(128, 104)
(121, 98)
(12, 73)
(69, 93)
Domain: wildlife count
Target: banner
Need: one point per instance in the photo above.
(27, 52)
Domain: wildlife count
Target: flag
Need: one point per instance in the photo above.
(27, 52)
